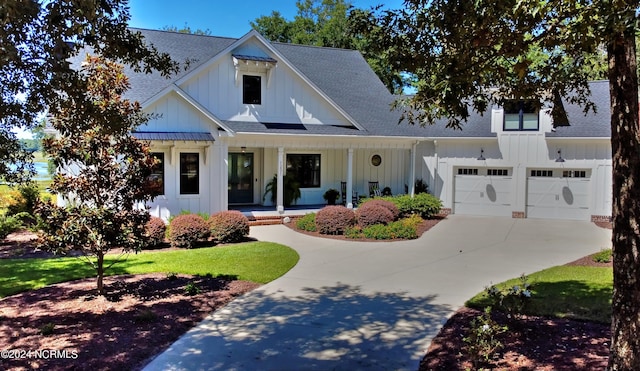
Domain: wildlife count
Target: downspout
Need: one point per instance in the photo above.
(412, 174)
(435, 170)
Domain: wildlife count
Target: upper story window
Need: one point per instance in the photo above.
(251, 89)
(520, 115)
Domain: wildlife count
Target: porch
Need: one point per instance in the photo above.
(268, 215)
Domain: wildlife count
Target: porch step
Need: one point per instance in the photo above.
(265, 220)
(269, 220)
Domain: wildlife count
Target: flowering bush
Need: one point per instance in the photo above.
(482, 340)
(334, 219)
(307, 222)
(187, 229)
(155, 230)
(372, 213)
(511, 300)
(229, 226)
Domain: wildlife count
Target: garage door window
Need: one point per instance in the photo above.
(467, 171)
(498, 172)
(574, 174)
(542, 173)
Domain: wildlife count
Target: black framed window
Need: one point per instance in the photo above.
(542, 173)
(251, 89)
(189, 173)
(472, 171)
(521, 115)
(305, 169)
(157, 174)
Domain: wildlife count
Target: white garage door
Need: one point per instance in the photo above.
(558, 194)
(483, 191)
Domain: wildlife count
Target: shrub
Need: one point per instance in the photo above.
(511, 300)
(372, 213)
(155, 230)
(334, 219)
(229, 226)
(25, 201)
(47, 329)
(9, 224)
(422, 204)
(354, 232)
(307, 223)
(604, 256)
(401, 229)
(186, 230)
(387, 203)
(482, 340)
(191, 289)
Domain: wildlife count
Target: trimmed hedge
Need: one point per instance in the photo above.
(229, 226)
(401, 229)
(187, 229)
(423, 204)
(155, 230)
(373, 213)
(334, 219)
(307, 222)
(384, 202)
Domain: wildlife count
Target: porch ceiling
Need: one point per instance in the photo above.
(318, 141)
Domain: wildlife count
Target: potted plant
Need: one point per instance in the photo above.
(331, 195)
(291, 190)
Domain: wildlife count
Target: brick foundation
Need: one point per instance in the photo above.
(444, 212)
(517, 214)
(600, 218)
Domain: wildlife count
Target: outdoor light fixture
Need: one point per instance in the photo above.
(559, 159)
(243, 149)
(481, 158)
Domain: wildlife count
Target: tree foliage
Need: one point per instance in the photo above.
(326, 23)
(468, 55)
(36, 38)
(107, 170)
(187, 29)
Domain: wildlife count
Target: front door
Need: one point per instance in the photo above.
(240, 178)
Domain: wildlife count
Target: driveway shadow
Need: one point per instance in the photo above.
(336, 327)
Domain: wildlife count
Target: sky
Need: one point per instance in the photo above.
(222, 17)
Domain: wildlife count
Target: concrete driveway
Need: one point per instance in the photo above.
(372, 306)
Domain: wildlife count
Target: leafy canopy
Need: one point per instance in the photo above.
(37, 38)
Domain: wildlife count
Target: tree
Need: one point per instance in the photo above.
(326, 23)
(187, 29)
(37, 37)
(470, 54)
(107, 170)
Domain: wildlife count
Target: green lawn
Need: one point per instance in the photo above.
(577, 292)
(259, 262)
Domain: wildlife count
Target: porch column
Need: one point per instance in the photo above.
(349, 200)
(280, 183)
(412, 170)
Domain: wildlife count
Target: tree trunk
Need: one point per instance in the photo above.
(625, 144)
(100, 271)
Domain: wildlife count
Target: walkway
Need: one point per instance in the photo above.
(372, 306)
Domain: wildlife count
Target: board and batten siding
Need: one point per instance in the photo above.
(440, 159)
(286, 98)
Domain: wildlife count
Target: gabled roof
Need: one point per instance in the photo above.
(343, 76)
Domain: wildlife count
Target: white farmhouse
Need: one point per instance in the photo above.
(247, 110)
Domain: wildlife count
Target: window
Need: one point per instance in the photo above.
(498, 172)
(467, 171)
(157, 174)
(542, 173)
(305, 169)
(574, 174)
(189, 173)
(251, 89)
(521, 115)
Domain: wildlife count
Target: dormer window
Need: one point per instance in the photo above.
(251, 89)
(521, 115)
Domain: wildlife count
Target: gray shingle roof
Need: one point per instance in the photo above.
(593, 125)
(345, 77)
